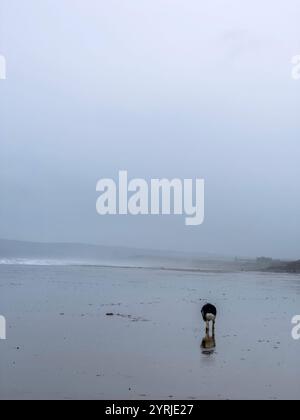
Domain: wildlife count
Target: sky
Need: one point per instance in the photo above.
(162, 89)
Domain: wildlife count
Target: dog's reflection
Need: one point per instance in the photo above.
(208, 344)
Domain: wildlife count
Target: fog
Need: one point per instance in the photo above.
(162, 89)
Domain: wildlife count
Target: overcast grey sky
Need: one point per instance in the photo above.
(162, 88)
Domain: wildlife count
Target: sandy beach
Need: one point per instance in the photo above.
(61, 344)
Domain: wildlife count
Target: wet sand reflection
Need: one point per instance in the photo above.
(208, 344)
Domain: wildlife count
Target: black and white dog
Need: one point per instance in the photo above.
(209, 314)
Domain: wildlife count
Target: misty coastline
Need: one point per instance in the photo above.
(104, 323)
(33, 253)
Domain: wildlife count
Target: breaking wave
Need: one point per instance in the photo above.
(33, 262)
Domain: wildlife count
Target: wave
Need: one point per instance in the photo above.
(33, 262)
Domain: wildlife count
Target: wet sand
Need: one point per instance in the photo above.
(61, 344)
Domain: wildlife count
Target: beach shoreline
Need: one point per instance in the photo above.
(62, 345)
